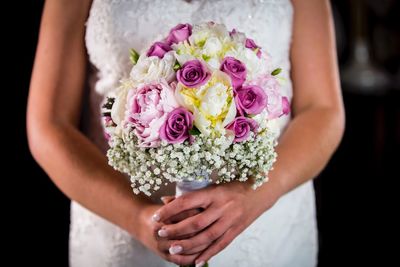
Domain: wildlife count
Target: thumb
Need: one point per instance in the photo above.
(167, 199)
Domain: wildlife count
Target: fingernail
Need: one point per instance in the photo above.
(156, 217)
(162, 233)
(163, 199)
(200, 264)
(175, 250)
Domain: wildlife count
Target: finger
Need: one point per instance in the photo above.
(192, 224)
(220, 244)
(155, 227)
(202, 240)
(196, 250)
(181, 259)
(163, 245)
(188, 201)
(183, 215)
(167, 199)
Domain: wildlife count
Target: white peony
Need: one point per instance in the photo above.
(150, 69)
(212, 104)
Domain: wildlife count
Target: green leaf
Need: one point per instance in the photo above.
(276, 71)
(201, 43)
(133, 56)
(177, 66)
(194, 131)
(205, 57)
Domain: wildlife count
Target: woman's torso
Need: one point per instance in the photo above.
(115, 26)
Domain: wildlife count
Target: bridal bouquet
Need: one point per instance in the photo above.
(198, 106)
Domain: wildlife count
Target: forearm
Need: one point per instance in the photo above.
(303, 150)
(80, 170)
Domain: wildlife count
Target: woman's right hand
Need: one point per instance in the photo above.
(148, 234)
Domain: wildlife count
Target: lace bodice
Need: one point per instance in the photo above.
(283, 236)
(115, 26)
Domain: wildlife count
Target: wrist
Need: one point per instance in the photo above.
(268, 194)
(138, 219)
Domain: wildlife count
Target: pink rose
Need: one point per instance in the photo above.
(235, 69)
(242, 127)
(177, 125)
(232, 32)
(252, 45)
(250, 99)
(179, 33)
(193, 74)
(147, 109)
(158, 49)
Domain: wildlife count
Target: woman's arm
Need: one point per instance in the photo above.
(304, 149)
(75, 165)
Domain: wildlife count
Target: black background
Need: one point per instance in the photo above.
(355, 194)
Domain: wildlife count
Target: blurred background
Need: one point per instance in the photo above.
(355, 193)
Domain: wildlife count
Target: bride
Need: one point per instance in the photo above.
(83, 53)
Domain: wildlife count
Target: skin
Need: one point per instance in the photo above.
(81, 171)
(70, 159)
(318, 119)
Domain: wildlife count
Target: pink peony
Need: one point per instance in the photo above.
(276, 104)
(147, 110)
(285, 106)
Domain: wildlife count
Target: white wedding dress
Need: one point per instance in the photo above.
(286, 234)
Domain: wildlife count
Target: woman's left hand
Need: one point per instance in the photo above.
(228, 210)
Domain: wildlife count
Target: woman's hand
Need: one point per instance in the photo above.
(149, 233)
(228, 210)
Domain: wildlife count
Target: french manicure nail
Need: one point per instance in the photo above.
(162, 233)
(200, 264)
(175, 250)
(155, 217)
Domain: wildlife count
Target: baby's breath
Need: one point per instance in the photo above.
(148, 168)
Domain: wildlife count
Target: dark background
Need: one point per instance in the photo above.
(355, 193)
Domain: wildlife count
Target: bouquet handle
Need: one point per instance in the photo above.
(187, 186)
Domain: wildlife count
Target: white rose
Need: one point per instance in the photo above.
(202, 32)
(118, 110)
(214, 63)
(212, 46)
(150, 69)
(119, 106)
(183, 58)
(239, 37)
